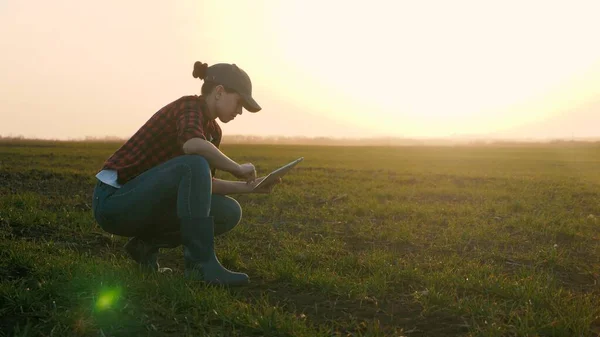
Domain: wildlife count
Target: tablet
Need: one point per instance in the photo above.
(280, 172)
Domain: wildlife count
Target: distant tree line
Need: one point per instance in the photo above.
(373, 141)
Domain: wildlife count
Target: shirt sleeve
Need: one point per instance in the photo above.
(189, 123)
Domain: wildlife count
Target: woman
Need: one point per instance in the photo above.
(159, 187)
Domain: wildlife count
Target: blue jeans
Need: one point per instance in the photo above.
(155, 202)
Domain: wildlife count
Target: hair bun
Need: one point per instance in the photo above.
(200, 70)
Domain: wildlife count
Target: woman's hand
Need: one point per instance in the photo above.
(246, 172)
(265, 189)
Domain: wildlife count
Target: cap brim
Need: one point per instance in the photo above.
(250, 104)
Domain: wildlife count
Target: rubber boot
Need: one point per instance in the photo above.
(145, 250)
(201, 263)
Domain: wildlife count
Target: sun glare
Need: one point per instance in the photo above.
(466, 65)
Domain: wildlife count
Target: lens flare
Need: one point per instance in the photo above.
(108, 298)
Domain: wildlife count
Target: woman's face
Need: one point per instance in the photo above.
(228, 105)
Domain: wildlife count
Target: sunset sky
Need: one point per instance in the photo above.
(71, 69)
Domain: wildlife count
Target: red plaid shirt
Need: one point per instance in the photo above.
(162, 137)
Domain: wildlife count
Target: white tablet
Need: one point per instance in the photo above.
(280, 172)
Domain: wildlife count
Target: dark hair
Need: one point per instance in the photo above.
(200, 72)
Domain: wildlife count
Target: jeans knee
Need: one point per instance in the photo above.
(236, 212)
(197, 163)
(229, 216)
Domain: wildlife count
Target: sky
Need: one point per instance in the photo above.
(326, 68)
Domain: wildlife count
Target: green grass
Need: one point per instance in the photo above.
(497, 240)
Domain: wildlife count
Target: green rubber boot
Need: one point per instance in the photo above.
(201, 263)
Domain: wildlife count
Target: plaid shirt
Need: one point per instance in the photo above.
(162, 137)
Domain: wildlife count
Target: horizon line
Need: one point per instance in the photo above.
(374, 140)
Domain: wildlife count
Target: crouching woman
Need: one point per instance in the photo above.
(159, 188)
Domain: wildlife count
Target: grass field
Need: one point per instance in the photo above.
(358, 241)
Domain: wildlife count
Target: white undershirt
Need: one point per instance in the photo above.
(109, 177)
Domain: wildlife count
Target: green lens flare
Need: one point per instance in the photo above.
(108, 298)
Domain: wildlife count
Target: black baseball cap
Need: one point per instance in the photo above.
(233, 77)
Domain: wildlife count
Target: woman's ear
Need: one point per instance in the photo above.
(219, 89)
